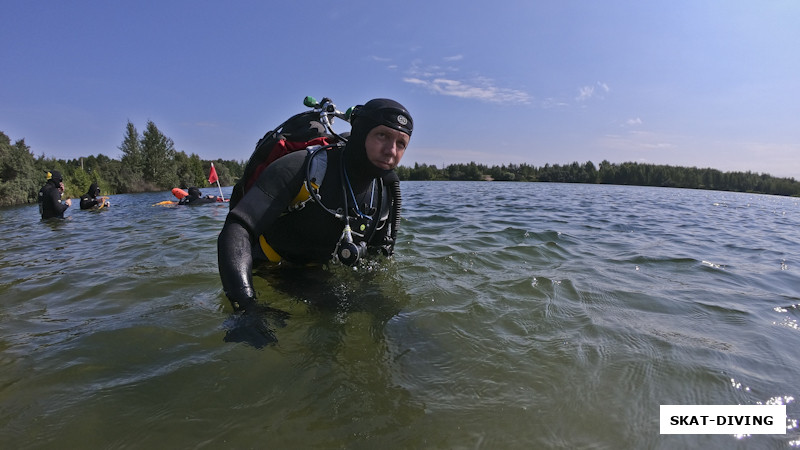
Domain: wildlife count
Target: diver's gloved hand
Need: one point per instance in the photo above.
(251, 325)
(251, 329)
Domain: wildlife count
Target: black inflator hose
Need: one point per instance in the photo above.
(397, 202)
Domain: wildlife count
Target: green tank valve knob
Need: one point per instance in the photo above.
(348, 113)
(310, 101)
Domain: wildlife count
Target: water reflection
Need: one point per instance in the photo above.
(328, 294)
(329, 328)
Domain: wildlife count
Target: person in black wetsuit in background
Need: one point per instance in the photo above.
(195, 197)
(89, 200)
(50, 204)
(359, 185)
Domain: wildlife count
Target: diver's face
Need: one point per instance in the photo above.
(385, 146)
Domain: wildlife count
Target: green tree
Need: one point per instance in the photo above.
(190, 170)
(132, 155)
(455, 172)
(130, 178)
(590, 172)
(472, 172)
(423, 172)
(18, 175)
(403, 172)
(159, 158)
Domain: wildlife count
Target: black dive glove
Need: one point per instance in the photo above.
(251, 323)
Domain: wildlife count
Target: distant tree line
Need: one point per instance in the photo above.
(628, 173)
(149, 163)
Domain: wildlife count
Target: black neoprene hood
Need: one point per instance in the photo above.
(384, 111)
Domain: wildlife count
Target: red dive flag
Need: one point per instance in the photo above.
(212, 177)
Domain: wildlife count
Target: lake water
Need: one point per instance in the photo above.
(514, 315)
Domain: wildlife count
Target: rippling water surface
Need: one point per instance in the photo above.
(514, 315)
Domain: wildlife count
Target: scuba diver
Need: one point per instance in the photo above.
(195, 197)
(351, 206)
(89, 200)
(50, 204)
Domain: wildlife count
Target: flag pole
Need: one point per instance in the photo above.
(217, 180)
(220, 190)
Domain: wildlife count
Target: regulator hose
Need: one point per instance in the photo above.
(394, 216)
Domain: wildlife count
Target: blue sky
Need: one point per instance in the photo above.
(689, 83)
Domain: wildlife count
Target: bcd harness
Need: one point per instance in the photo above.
(379, 213)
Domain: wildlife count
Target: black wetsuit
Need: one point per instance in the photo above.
(50, 205)
(195, 197)
(308, 235)
(89, 199)
(194, 200)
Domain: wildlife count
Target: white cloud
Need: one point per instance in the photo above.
(422, 72)
(587, 92)
(441, 80)
(483, 90)
(633, 122)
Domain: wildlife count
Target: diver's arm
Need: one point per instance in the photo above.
(88, 202)
(55, 199)
(234, 247)
(253, 215)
